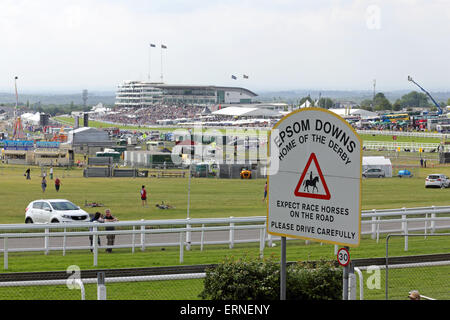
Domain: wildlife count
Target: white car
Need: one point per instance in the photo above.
(54, 211)
(437, 180)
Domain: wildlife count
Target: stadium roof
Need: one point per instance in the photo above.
(246, 112)
(176, 86)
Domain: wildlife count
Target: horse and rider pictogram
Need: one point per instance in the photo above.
(309, 188)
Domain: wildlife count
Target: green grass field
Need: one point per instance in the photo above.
(209, 198)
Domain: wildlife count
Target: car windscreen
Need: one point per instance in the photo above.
(433, 177)
(66, 205)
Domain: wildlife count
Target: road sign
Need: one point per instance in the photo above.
(313, 182)
(314, 178)
(343, 257)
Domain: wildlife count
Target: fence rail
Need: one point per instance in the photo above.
(411, 146)
(152, 274)
(404, 133)
(179, 232)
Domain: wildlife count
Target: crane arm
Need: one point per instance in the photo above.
(428, 94)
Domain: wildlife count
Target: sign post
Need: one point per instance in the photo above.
(343, 257)
(314, 179)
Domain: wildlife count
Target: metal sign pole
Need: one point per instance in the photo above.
(283, 269)
(345, 281)
(101, 288)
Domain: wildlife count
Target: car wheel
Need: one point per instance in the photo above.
(55, 221)
(28, 220)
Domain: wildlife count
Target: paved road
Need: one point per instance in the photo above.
(161, 240)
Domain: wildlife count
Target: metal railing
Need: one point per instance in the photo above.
(152, 274)
(230, 231)
(404, 133)
(411, 146)
(414, 265)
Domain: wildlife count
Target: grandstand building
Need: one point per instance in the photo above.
(141, 94)
(137, 94)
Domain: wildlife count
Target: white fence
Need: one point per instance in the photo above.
(404, 133)
(411, 146)
(181, 232)
(352, 286)
(79, 283)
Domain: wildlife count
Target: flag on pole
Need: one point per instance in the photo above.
(233, 77)
(152, 45)
(245, 76)
(163, 47)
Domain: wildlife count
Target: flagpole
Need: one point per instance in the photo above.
(149, 57)
(161, 64)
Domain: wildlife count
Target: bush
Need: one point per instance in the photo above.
(307, 281)
(259, 279)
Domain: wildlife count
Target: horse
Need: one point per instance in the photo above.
(311, 183)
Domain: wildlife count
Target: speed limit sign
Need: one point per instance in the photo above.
(343, 257)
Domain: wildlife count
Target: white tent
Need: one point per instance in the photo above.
(31, 118)
(305, 104)
(246, 112)
(354, 112)
(378, 163)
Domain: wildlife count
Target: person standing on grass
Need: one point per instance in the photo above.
(51, 173)
(265, 192)
(43, 184)
(57, 184)
(96, 218)
(27, 173)
(144, 196)
(110, 237)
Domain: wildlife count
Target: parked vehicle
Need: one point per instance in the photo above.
(373, 173)
(437, 180)
(54, 211)
(404, 173)
(246, 174)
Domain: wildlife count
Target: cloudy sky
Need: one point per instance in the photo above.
(62, 45)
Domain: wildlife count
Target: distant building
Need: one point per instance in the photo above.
(141, 94)
(137, 94)
(89, 140)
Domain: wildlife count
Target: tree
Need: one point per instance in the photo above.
(414, 99)
(448, 102)
(304, 99)
(326, 103)
(397, 105)
(366, 104)
(380, 102)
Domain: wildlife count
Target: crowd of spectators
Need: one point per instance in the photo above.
(153, 115)
(149, 115)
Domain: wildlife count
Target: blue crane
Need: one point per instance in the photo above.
(428, 94)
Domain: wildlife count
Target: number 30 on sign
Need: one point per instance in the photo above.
(343, 257)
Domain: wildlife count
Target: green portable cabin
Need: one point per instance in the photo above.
(158, 160)
(109, 153)
(120, 149)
